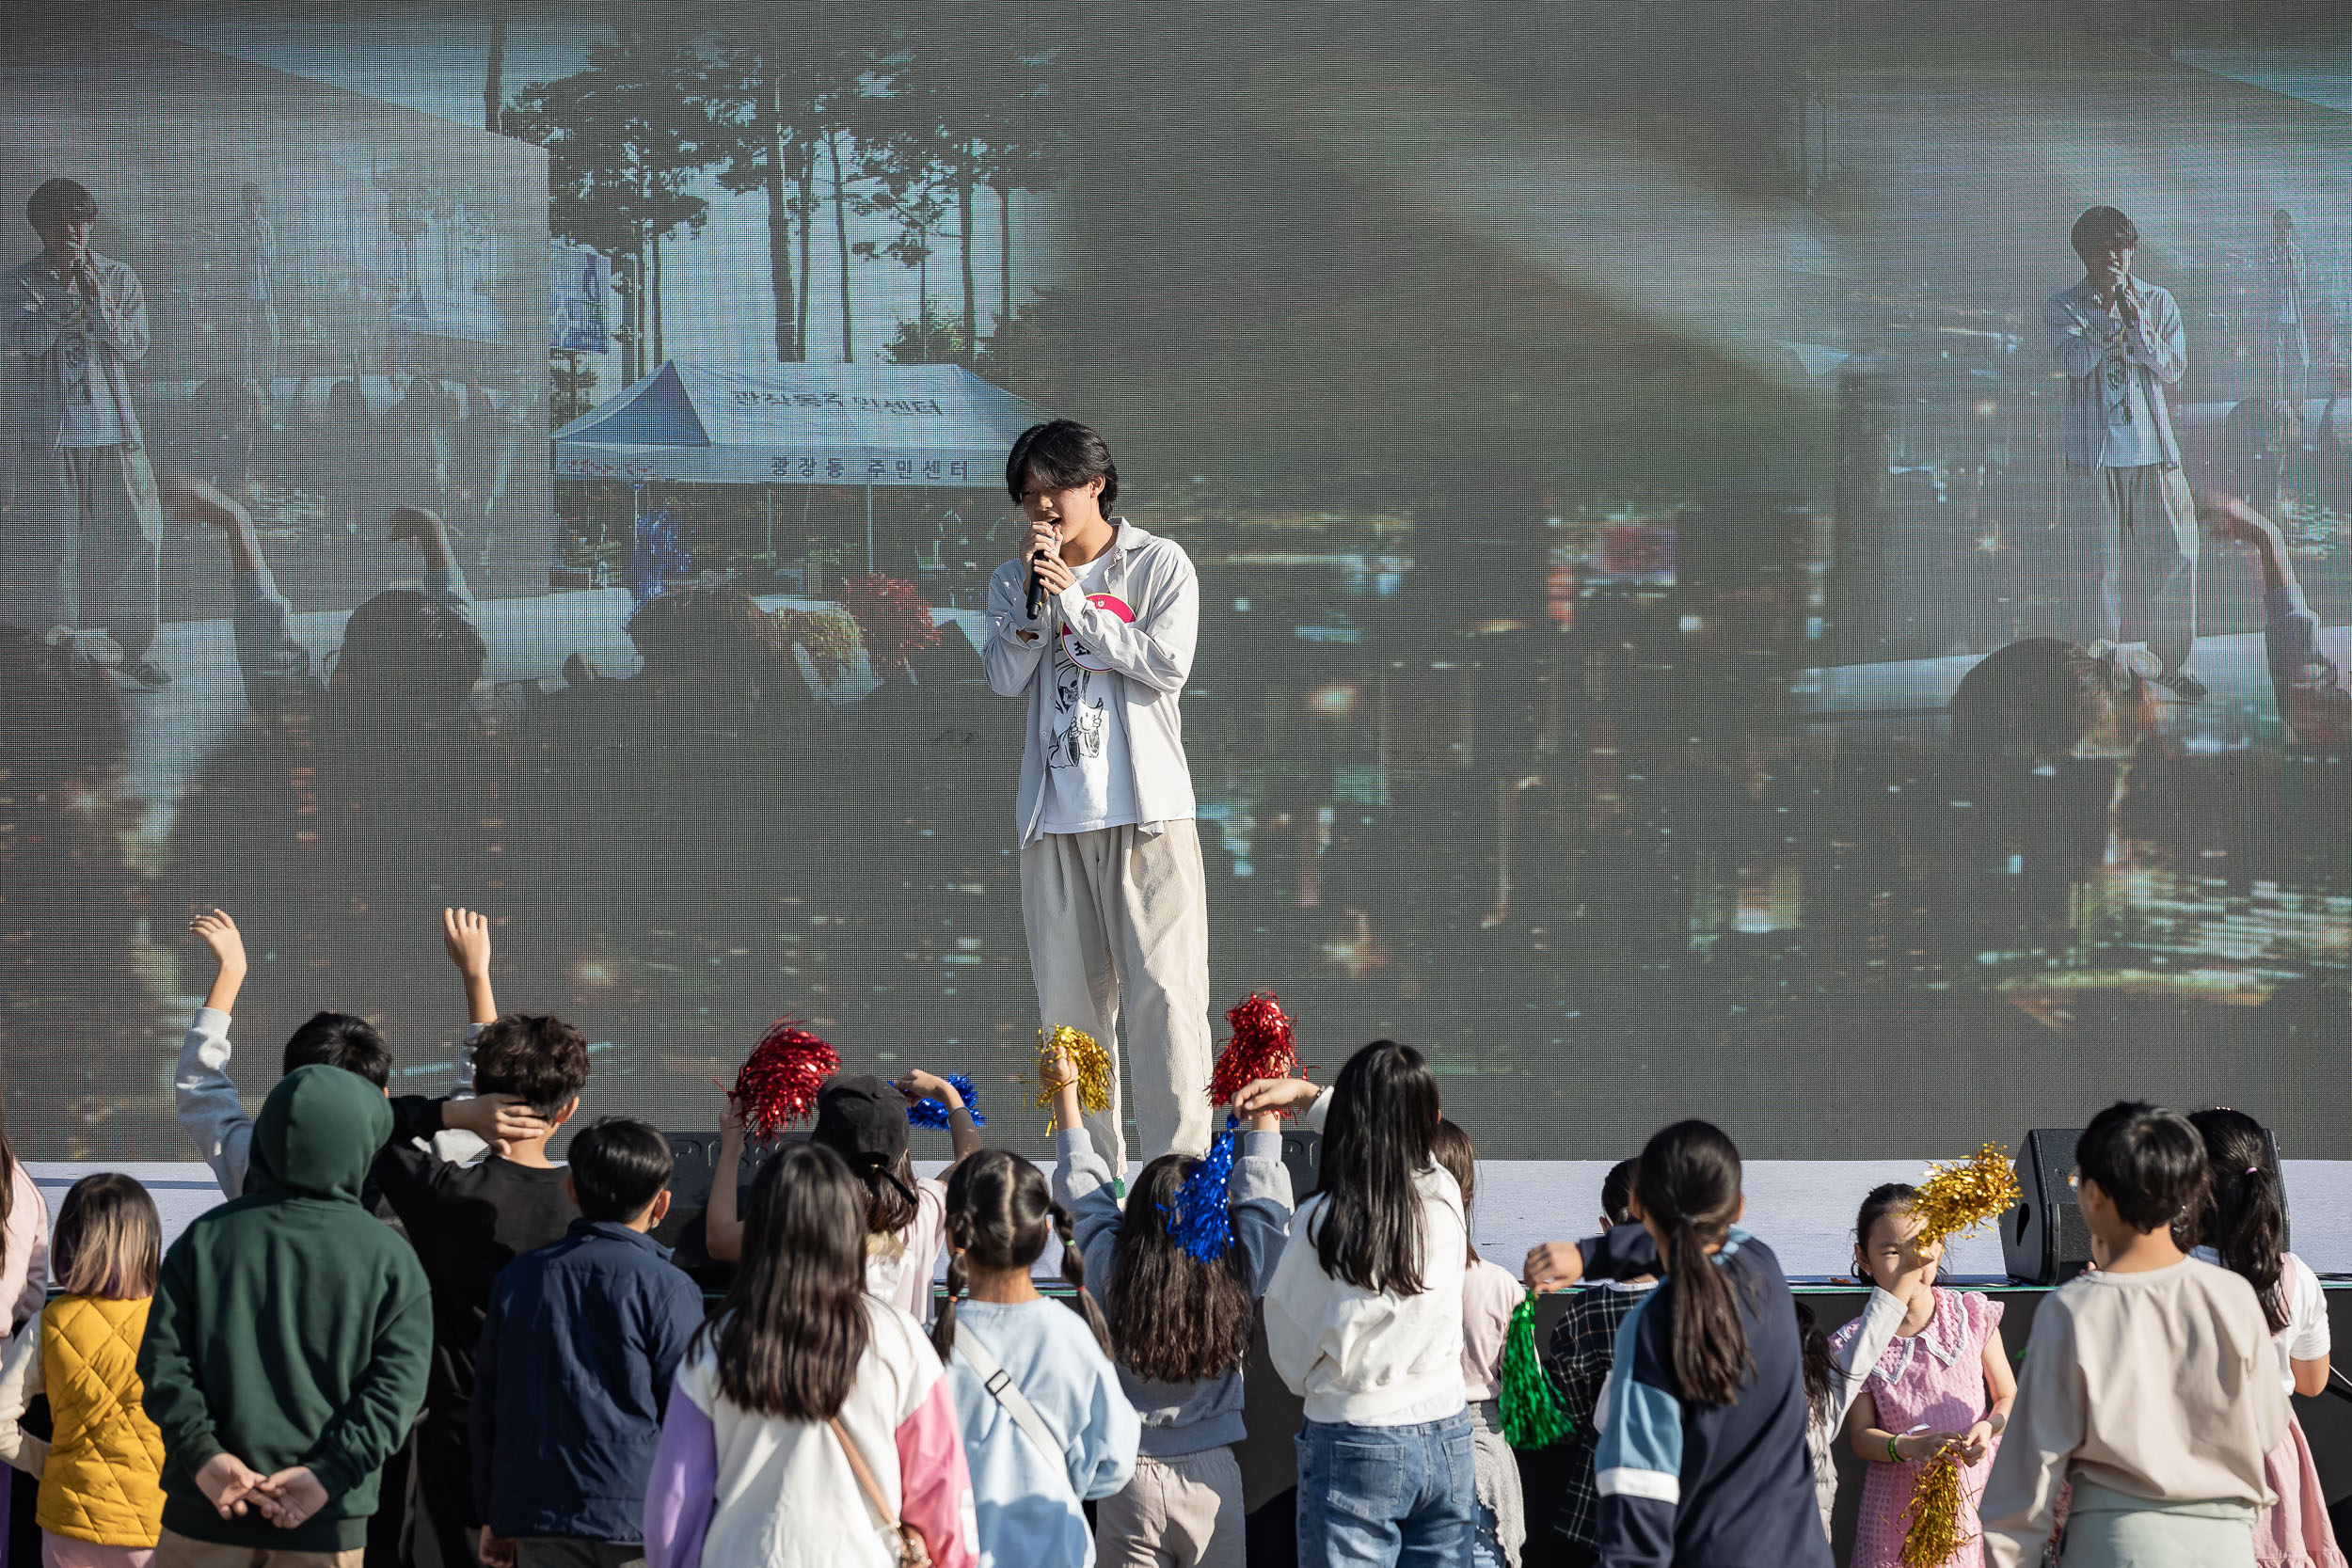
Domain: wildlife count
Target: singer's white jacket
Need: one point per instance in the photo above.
(1152, 656)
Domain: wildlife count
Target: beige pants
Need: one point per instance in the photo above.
(2144, 562)
(1183, 1512)
(85, 546)
(177, 1551)
(1118, 922)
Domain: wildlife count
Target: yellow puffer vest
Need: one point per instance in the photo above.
(101, 1483)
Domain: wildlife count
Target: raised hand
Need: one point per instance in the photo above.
(1275, 1094)
(220, 933)
(466, 937)
(499, 1120)
(1552, 1266)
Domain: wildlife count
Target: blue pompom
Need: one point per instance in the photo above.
(654, 556)
(1200, 1220)
(934, 1113)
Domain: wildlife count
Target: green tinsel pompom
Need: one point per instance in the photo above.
(1532, 1416)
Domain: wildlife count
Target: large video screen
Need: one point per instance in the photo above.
(1712, 602)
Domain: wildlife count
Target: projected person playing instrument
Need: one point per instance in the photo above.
(1112, 892)
(2121, 343)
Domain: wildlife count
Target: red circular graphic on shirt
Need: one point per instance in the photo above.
(1075, 647)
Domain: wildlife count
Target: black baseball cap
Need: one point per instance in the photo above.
(863, 1120)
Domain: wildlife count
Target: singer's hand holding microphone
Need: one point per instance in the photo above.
(1048, 574)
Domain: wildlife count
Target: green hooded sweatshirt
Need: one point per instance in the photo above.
(290, 1326)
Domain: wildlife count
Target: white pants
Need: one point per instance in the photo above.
(85, 548)
(1118, 922)
(1182, 1511)
(2143, 557)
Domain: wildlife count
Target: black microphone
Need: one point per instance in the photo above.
(1036, 586)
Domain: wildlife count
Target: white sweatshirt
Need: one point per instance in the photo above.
(1371, 1359)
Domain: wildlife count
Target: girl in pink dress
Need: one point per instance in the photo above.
(1945, 1378)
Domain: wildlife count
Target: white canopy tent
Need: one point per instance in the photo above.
(920, 425)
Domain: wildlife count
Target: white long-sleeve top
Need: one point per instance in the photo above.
(2161, 1385)
(1371, 1358)
(1881, 1315)
(1151, 654)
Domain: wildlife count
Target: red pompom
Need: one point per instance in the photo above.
(1261, 1047)
(892, 620)
(777, 1086)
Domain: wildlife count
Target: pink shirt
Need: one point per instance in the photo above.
(1490, 1294)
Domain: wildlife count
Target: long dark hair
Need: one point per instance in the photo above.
(794, 1325)
(1377, 1139)
(1451, 1147)
(2243, 1221)
(1172, 1317)
(1820, 1364)
(999, 1215)
(1688, 1185)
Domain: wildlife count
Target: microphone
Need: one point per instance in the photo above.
(1037, 587)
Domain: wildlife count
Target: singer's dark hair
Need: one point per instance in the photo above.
(2099, 228)
(1063, 454)
(1689, 1184)
(2245, 1221)
(1379, 1135)
(55, 199)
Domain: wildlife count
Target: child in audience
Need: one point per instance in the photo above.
(1702, 1455)
(1944, 1380)
(811, 1424)
(1179, 1333)
(215, 1118)
(468, 1221)
(865, 1121)
(2244, 1231)
(24, 1266)
(1833, 1377)
(1365, 1319)
(1490, 1294)
(100, 1501)
(1583, 1347)
(1046, 1426)
(577, 1351)
(2151, 1385)
(287, 1348)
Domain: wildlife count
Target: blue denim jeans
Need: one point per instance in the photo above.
(1386, 1496)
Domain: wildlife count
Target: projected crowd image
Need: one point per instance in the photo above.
(1818, 603)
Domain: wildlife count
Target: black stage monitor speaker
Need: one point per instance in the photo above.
(2043, 1239)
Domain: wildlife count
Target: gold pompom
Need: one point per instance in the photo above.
(1959, 1199)
(1932, 1533)
(1087, 1059)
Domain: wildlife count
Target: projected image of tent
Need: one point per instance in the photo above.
(937, 425)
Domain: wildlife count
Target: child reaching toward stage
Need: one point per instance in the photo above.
(1702, 1455)
(1046, 1426)
(1365, 1319)
(1179, 1332)
(810, 1425)
(865, 1121)
(2151, 1385)
(1945, 1380)
(1489, 1295)
(2244, 1226)
(102, 1500)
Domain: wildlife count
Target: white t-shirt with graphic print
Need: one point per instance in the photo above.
(1090, 777)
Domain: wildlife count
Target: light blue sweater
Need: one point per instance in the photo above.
(1028, 1509)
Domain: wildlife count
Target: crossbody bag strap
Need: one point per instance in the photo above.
(1005, 1392)
(866, 1481)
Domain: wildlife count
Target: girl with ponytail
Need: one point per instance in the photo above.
(1046, 1426)
(1703, 1455)
(2244, 1231)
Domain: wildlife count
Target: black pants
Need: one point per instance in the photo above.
(442, 1533)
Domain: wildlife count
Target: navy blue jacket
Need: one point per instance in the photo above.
(1696, 1485)
(574, 1369)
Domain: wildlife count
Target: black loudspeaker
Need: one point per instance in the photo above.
(2043, 1239)
(1302, 1156)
